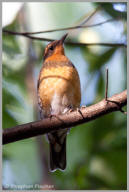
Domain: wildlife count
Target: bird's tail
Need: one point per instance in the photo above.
(58, 153)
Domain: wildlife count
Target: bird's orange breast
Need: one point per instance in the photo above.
(60, 77)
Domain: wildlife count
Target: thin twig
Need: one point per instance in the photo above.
(68, 42)
(59, 29)
(106, 89)
(91, 15)
(122, 111)
(84, 19)
(65, 121)
(119, 106)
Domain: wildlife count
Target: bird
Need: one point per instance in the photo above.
(59, 91)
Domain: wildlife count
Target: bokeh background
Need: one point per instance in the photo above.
(96, 151)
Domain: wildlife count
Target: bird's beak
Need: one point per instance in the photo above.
(63, 38)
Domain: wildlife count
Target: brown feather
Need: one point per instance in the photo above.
(58, 90)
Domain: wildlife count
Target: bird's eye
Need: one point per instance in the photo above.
(51, 48)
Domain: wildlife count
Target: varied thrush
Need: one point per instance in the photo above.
(58, 92)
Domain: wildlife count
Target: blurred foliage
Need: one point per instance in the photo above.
(96, 151)
(109, 8)
(97, 61)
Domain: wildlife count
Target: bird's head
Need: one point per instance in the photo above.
(55, 47)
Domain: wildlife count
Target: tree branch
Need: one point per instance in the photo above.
(77, 117)
(67, 42)
(60, 29)
(81, 25)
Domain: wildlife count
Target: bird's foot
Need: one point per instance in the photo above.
(52, 115)
(83, 106)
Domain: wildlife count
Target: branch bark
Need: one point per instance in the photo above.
(77, 117)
